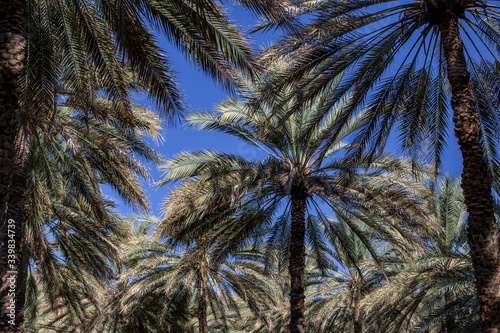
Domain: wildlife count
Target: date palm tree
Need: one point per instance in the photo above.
(71, 229)
(299, 170)
(337, 297)
(159, 310)
(435, 292)
(404, 60)
(89, 45)
(214, 283)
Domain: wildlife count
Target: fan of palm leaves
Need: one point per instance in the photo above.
(72, 230)
(302, 171)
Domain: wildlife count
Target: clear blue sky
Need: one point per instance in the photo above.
(203, 93)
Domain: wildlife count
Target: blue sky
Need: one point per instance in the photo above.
(203, 93)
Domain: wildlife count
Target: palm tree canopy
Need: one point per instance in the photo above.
(156, 263)
(297, 157)
(78, 40)
(437, 289)
(435, 49)
(72, 229)
(360, 40)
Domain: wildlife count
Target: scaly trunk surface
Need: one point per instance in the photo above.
(483, 231)
(12, 49)
(202, 303)
(297, 262)
(358, 324)
(17, 264)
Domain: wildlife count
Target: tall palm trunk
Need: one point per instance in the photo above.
(297, 261)
(202, 302)
(16, 209)
(449, 325)
(12, 45)
(357, 324)
(483, 231)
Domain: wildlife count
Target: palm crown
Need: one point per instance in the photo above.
(436, 290)
(396, 65)
(72, 230)
(192, 266)
(436, 49)
(301, 168)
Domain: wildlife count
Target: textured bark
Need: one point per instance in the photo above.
(16, 209)
(297, 262)
(449, 325)
(12, 46)
(358, 324)
(202, 303)
(483, 231)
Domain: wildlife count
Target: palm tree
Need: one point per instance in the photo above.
(81, 43)
(160, 265)
(71, 229)
(434, 49)
(434, 292)
(159, 310)
(338, 294)
(300, 168)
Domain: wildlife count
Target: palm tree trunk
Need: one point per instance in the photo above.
(483, 230)
(297, 262)
(202, 303)
(18, 259)
(358, 324)
(12, 45)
